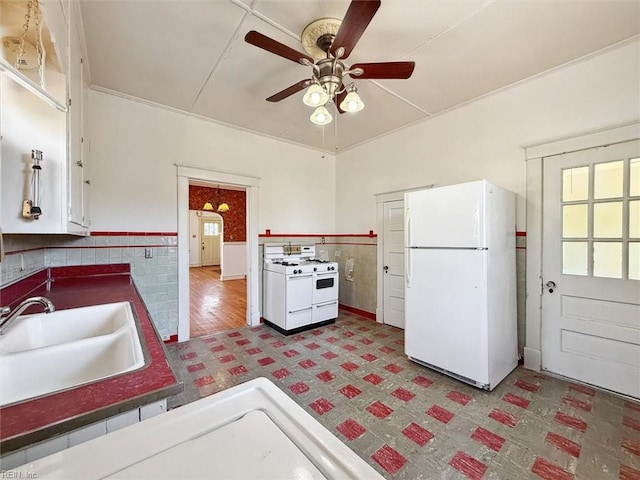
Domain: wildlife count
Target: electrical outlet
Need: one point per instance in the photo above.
(148, 253)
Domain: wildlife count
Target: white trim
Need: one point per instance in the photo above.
(584, 140)
(232, 277)
(184, 174)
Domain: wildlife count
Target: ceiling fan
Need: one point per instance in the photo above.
(329, 43)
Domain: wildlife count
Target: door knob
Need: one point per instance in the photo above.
(385, 268)
(551, 285)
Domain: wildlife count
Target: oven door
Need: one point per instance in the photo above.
(325, 287)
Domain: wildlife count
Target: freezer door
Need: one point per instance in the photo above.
(446, 311)
(451, 216)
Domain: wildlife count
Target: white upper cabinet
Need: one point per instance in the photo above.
(42, 109)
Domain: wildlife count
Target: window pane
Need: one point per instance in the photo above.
(607, 179)
(607, 259)
(634, 180)
(575, 184)
(607, 220)
(634, 219)
(634, 261)
(574, 258)
(575, 220)
(210, 229)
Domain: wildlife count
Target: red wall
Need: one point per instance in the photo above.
(235, 226)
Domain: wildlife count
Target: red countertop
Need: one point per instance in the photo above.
(71, 287)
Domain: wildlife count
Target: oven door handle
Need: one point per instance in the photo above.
(294, 277)
(300, 309)
(326, 273)
(333, 302)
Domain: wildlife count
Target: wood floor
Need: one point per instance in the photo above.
(215, 306)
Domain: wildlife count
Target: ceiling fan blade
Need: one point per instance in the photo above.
(354, 23)
(273, 46)
(296, 87)
(384, 70)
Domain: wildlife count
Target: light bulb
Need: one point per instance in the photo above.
(352, 102)
(321, 116)
(315, 96)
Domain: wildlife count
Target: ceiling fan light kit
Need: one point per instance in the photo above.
(329, 42)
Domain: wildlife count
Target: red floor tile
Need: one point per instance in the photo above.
(422, 381)
(349, 347)
(419, 435)
(227, 358)
(529, 387)
(379, 409)
(351, 429)
(350, 391)
(253, 351)
(628, 473)
(441, 414)
(297, 338)
(349, 366)
(582, 389)
(239, 370)
(266, 361)
(210, 339)
(389, 459)
(243, 342)
(467, 465)
(321, 406)
(373, 378)
(632, 446)
(549, 471)
(188, 356)
(503, 418)
(631, 422)
(402, 394)
(312, 346)
(386, 349)
(281, 373)
(308, 363)
(326, 376)
(217, 348)
(575, 403)
(299, 388)
(195, 367)
(348, 334)
(488, 439)
(291, 353)
(278, 344)
(329, 355)
(202, 381)
(364, 329)
(368, 357)
(516, 400)
(234, 334)
(570, 421)
(458, 397)
(563, 444)
(264, 336)
(366, 341)
(332, 340)
(317, 331)
(393, 368)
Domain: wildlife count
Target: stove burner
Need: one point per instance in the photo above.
(286, 264)
(316, 260)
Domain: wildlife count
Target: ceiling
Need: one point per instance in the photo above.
(191, 55)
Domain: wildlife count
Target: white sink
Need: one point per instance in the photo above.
(42, 354)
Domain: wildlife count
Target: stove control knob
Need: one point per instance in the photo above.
(315, 269)
(296, 271)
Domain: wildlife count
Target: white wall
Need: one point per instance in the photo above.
(234, 263)
(483, 139)
(135, 147)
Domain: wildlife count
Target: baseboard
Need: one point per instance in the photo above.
(242, 276)
(357, 311)
(532, 359)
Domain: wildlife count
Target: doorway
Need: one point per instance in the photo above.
(185, 176)
(591, 267)
(210, 243)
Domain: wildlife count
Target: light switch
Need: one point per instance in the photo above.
(148, 253)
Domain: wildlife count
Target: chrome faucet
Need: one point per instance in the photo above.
(5, 322)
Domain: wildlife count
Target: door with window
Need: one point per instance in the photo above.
(210, 231)
(393, 258)
(591, 267)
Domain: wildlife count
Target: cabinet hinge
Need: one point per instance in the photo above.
(81, 60)
(69, 103)
(81, 139)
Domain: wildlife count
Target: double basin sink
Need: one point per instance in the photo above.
(45, 353)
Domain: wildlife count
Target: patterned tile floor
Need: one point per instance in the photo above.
(410, 422)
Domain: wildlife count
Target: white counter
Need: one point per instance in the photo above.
(250, 431)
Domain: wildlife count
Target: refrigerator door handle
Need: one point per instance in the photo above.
(407, 268)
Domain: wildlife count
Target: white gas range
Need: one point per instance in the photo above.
(299, 291)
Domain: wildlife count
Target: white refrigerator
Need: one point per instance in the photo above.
(460, 274)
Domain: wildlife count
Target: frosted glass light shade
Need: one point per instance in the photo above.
(223, 207)
(321, 116)
(352, 102)
(315, 96)
(207, 206)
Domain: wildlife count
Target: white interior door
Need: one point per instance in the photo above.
(210, 231)
(591, 267)
(393, 256)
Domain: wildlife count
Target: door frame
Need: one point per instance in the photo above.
(381, 199)
(251, 185)
(535, 155)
